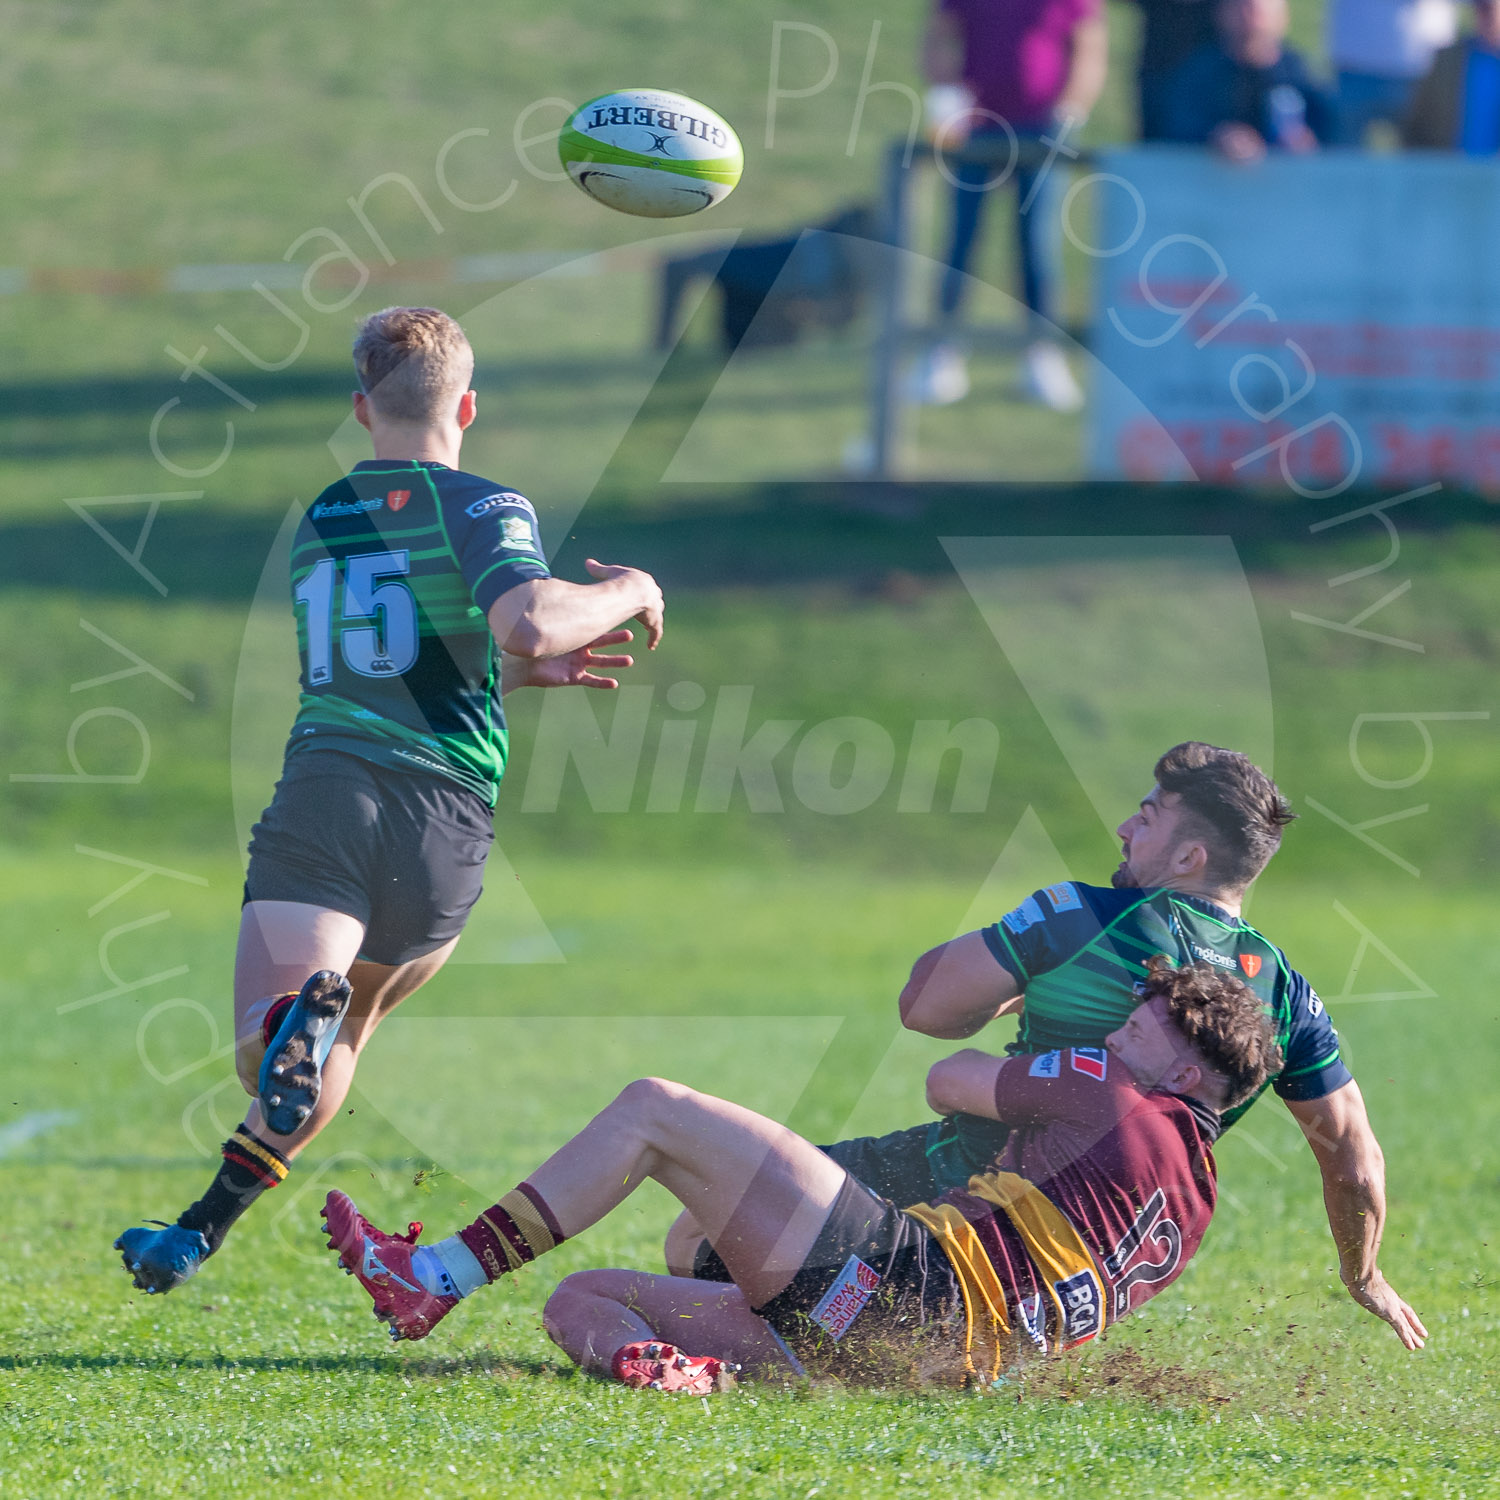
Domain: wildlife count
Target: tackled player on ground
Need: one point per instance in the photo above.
(1068, 960)
(1099, 1198)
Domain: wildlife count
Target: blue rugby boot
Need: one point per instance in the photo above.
(291, 1073)
(160, 1259)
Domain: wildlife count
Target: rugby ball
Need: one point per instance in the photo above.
(651, 153)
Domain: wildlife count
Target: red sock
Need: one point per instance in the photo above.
(271, 1023)
(517, 1229)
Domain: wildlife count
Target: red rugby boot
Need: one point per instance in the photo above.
(663, 1367)
(383, 1264)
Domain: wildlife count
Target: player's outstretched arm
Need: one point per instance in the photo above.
(1353, 1167)
(551, 617)
(957, 989)
(571, 669)
(964, 1084)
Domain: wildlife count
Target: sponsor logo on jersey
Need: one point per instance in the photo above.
(515, 531)
(495, 502)
(326, 508)
(1250, 963)
(846, 1298)
(1048, 1065)
(396, 499)
(1032, 1319)
(1027, 914)
(1063, 897)
(1218, 960)
(1082, 1305)
(416, 757)
(1092, 1062)
(1314, 1005)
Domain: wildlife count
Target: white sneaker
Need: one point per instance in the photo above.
(940, 378)
(1048, 378)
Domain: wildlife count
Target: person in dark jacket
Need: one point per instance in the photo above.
(1171, 31)
(1248, 92)
(1457, 105)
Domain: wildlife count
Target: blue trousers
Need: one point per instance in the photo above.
(1039, 192)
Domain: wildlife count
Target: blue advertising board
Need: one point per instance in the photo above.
(1318, 321)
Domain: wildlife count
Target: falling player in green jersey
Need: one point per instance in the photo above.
(1069, 960)
(422, 596)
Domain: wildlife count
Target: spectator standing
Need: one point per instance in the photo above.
(1379, 50)
(1456, 107)
(1026, 68)
(1171, 31)
(1247, 92)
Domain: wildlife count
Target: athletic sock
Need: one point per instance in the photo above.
(271, 1022)
(516, 1230)
(249, 1168)
(448, 1268)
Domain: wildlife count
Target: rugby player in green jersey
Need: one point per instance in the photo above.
(422, 596)
(1069, 960)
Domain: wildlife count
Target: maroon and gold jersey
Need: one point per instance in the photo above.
(1130, 1168)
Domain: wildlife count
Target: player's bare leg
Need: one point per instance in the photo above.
(680, 1249)
(282, 939)
(281, 943)
(593, 1315)
(761, 1193)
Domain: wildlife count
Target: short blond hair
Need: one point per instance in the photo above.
(412, 362)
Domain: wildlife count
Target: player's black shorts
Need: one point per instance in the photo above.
(914, 1165)
(399, 851)
(921, 1163)
(897, 1166)
(876, 1298)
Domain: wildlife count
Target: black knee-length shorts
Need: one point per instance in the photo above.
(399, 851)
(876, 1300)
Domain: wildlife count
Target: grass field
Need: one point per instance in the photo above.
(754, 953)
(700, 946)
(1253, 1376)
(151, 135)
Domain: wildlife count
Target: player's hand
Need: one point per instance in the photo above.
(1239, 143)
(644, 586)
(1375, 1294)
(576, 668)
(1300, 140)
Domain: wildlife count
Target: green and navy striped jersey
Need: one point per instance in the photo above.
(1078, 952)
(394, 570)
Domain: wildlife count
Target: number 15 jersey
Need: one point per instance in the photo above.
(394, 570)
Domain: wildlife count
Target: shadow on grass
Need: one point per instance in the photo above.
(142, 394)
(874, 538)
(434, 1367)
(1102, 1375)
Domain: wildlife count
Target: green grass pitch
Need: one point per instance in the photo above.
(702, 946)
(699, 947)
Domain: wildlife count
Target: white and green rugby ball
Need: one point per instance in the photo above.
(651, 153)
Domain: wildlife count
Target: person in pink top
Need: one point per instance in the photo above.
(1009, 72)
